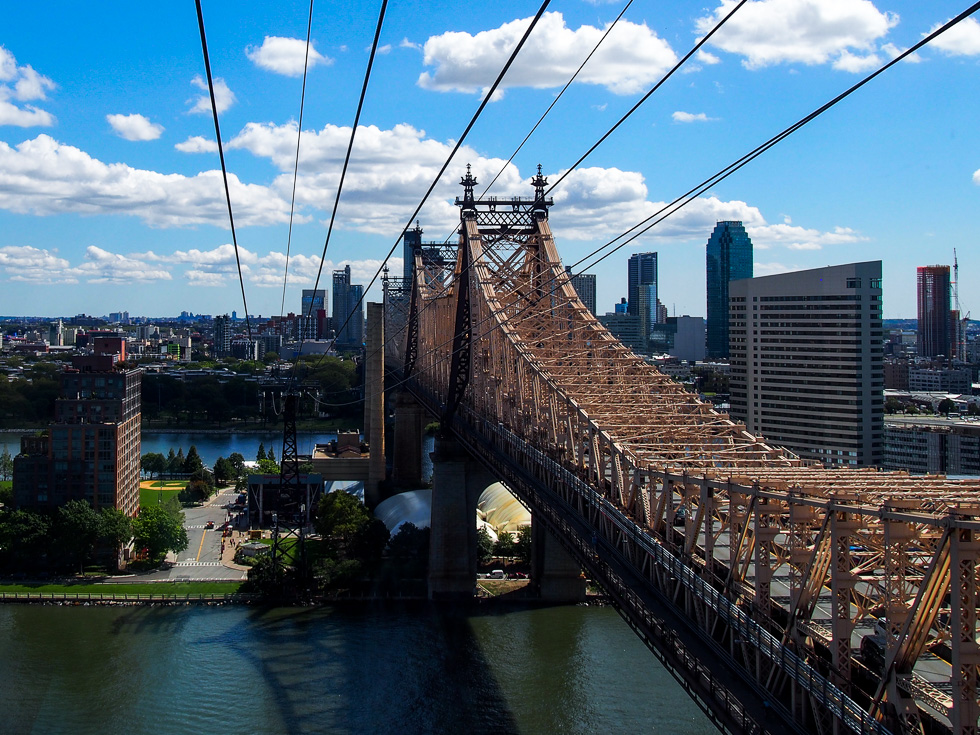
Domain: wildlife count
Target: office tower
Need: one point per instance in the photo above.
(935, 315)
(806, 361)
(222, 336)
(641, 271)
(348, 307)
(584, 285)
(729, 257)
(314, 302)
(92, 450)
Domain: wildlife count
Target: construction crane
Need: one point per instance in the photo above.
(960, 321)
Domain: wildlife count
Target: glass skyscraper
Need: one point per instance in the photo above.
(642, 271)
(729, 258)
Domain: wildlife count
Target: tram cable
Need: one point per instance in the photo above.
(221, 155)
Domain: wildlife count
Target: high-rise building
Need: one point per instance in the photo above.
(411, 241)
(936, 320)
(806, 361)
(641, 271)
(348, 306)
(311, 315)
(729, 257)
(222, 336)
(584, 285)
(92, 450)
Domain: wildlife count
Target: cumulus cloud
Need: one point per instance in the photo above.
(770, 269)
(963, 39)
(854, 64)
(628, 61)
(285, 55)
(800, 238)
(690, 117)
(42, 176)
(405, 43)
(134, 127)
(101, 266)
(20, 85)
(33, 265)
(223, 96)
(197, 144)
(976, 177)
(768, 32)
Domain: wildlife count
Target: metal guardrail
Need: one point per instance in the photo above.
(125, 597)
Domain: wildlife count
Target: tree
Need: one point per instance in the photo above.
(522, 547)
(892, 405)
(973, 409)
(76, 529)
(261, 453)
(484, 546)
(237, 462)
(268, 467)
(153, 463)
(172, 461)
(945, 406)
(193, 461)
(6, 464)
(340, 514)
(370, 541)
(505, 544)
(115, 527)
(271, 455)
(270, 357)
(159, 528)
(224, 471)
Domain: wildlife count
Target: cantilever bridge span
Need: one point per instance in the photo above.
(784, 597)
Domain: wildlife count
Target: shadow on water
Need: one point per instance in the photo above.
(368, 668)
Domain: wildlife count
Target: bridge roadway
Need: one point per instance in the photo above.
(754, 577)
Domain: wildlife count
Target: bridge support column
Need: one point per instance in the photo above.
(406, 465)
(556, 576)
(457, 481)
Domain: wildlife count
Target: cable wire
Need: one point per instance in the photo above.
(299, 135)
(221, 155)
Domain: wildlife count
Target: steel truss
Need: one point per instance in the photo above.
(778, 560)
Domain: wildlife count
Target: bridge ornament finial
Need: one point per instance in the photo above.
(539, 182)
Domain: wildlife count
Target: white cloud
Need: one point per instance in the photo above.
(285, 55)
(800, 238)
(22, 84)
(101, 266)
(204, 278)
(768, 32)
(405, 43)
(706, 58)
(223, 96)
(854, 64)
(42, 176)
(628, 61)
(386, 49)
(33, 265)
(690, 117)
(770, 269)
(134, 127)
(976, 177)
(197, 144)
(963, 39)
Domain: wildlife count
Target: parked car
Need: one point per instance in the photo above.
(497, 574)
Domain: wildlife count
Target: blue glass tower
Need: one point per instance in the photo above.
(729, 258)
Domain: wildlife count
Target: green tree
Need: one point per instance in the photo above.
(268, 467)
(115, 528)
(261, 453)
(75, 531)
(270, 357)
(193, 462)
(505, 544)
(237, 462)
(370, 541)
(6, 465)
(271, 455)
(945, 406)
(340, 515)
(159, 528)
(484, 546)
(171, 461)
(522, 546)
(153, 463)
(892, 405)
(224, 472)
(973, 409)
(25, 539)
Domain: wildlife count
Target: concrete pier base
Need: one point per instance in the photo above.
(457, 481)
(555, 574)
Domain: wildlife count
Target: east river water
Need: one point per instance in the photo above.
(345, 669)
(362, 669)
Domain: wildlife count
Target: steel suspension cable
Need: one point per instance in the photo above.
(299, 135)
(221, 155)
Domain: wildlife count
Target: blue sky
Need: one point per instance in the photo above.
(110, 191)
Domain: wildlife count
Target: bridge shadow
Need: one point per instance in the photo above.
(407, 668)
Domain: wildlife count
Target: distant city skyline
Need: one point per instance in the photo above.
(111, 196)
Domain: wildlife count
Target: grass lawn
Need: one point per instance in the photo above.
(151, 491)
(154, 588)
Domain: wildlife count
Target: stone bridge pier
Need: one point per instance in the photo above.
(457, 482)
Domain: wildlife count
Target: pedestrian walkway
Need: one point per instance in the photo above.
(198, 564)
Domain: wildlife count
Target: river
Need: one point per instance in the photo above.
(363, 669)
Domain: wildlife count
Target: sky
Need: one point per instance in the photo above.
(110, 187)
